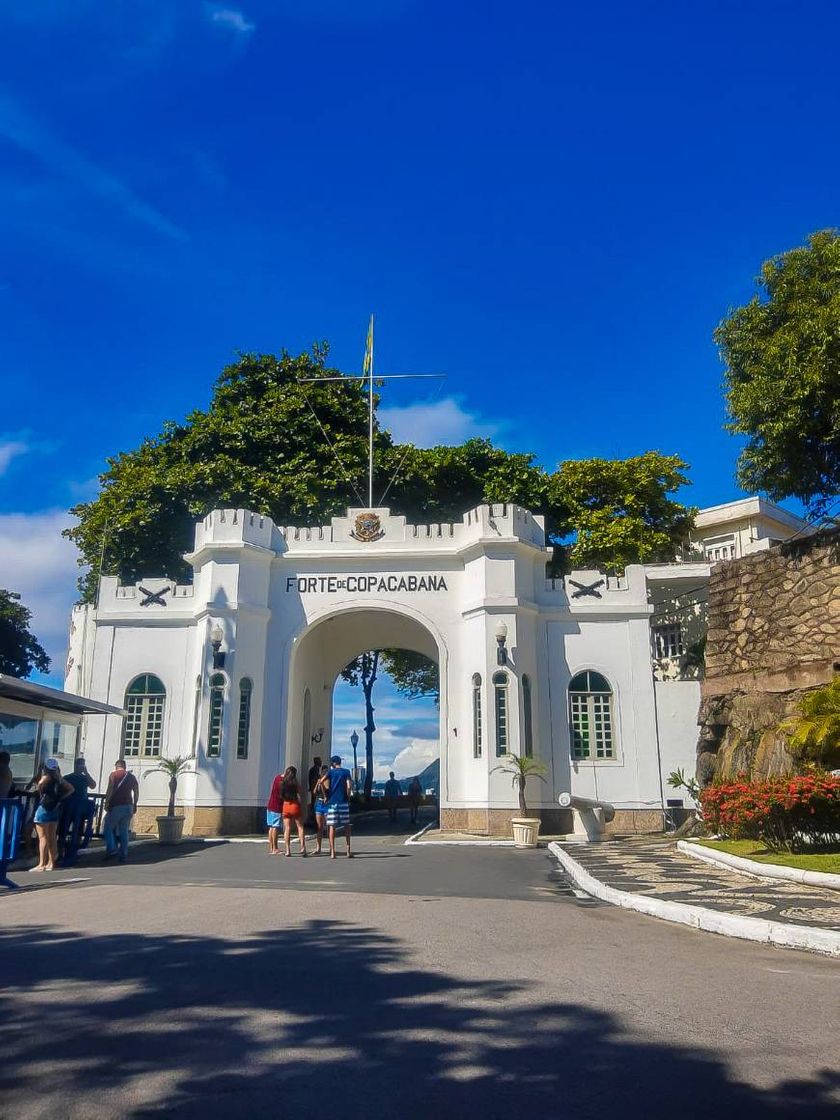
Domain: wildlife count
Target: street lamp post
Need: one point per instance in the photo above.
(354, 742)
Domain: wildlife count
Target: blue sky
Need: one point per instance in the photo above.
(552, 203)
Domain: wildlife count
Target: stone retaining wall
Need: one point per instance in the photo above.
(774, 633)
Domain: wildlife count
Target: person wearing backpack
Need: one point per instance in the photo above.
(52, 790)
(121, 799)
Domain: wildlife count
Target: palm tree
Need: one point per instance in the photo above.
(815, 733)
(174, 768)
(521, 768)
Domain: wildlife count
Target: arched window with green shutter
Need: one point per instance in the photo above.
(144, 704)
(476, 713)
(243, 724)
(217, 715)
(591, 719)
(500, 704)
(527, 718)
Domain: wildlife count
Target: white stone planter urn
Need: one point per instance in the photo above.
(526, 831)
(520, 768)
(170, 829)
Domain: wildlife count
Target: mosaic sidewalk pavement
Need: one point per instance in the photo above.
(657, 868)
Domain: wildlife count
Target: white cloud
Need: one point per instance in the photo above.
(10, 449)
(429, 425)
(61, 159)
(231, 18)
(410, 760)
(40, 565)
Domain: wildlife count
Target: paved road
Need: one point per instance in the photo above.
(408, 982)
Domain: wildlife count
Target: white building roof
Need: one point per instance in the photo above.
(744, 509)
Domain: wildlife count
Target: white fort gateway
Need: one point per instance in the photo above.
(237, 670)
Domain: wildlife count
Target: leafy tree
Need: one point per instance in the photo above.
(20, 651)
(619, 510)
(267, 442)
(363, 671)
(440, 483)
(782, 356)
(413, 674)
(258, 445)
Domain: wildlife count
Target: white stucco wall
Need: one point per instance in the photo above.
(677, 705)
(295, 605)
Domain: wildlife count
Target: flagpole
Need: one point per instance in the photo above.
(370, 421)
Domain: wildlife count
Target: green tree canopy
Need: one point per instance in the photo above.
(296, 451)
(258, 446)
(413, 674)
(20, 652)
(619, 510)
(782, 357)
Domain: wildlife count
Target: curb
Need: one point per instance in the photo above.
(415, 839)
(785, 936)
(756, 870)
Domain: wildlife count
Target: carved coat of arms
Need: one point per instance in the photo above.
(367, 527)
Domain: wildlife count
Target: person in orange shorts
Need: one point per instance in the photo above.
(292, 810)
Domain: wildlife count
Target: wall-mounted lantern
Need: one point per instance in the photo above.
(501, 640)
(318, 735)
(217, 636)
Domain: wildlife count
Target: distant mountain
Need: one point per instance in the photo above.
(430, 777)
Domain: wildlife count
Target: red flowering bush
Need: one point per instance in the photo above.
(790, 814)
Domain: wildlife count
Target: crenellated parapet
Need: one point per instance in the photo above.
(591, 591)
(235, 528)
(360, 530)
(145, 596)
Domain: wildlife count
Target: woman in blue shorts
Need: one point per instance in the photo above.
(52, 790)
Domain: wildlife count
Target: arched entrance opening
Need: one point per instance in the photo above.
(316, 727)
(385, 706)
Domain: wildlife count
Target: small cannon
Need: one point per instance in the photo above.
(589, 817)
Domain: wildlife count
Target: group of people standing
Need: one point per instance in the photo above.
(329, 790)
(64, 812)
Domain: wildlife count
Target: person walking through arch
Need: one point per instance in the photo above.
(274, 814)
(338, 803)
(393, 790)
(292, 810)
(415, 796)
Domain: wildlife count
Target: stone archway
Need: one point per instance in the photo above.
(330, 643)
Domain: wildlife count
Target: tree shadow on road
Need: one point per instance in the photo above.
(329, 1018)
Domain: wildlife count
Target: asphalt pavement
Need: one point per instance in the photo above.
(216, 981)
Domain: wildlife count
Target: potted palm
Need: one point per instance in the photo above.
(526, 830)
(170, 827)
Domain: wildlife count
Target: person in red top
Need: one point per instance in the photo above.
(274, 814)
